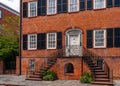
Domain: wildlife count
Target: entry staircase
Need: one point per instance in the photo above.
(41, 66)
(101, 72)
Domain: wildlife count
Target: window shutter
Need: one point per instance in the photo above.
(109, 3)
(59, 40)
(117, 37)
(42, 7)
(25, 9)
(61, 6)
(89, 38)
(24, 42)
(41, 41)
(89, 5)
(82, 5)
(116, 3)
(64, 6)
(110, 38)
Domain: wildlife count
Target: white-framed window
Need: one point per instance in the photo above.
(99, 38)
(51, 40)
(51, 7)
(73, 5)
(0, 14)
(32, 9)
(32, 64)
(98, 4)
(32, 41)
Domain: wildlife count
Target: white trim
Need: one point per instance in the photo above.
(29, 8)
(48, 47)
(67, 38)
(50, 13)
(77, 6)
(9, 9)
(0, 14)
(97, 7)
(29, 48)
(104, 46)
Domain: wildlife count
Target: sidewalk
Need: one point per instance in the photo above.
(14, 80)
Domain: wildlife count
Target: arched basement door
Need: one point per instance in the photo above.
(74, 42)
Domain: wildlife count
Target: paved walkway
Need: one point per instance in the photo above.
(13, 80)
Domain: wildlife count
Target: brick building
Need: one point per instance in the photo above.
(5, 11)
(81, 35)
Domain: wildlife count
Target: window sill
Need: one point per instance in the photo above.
(73, 12)
(69, 74)
(51, 14)
(95, 9)
(32, 49)
(51, 48)
(102, 47)
(32, 16)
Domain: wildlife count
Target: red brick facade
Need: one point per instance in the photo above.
(82, 20)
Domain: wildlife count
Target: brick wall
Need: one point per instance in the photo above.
(83, 20)
(5, 13)
(1, 67)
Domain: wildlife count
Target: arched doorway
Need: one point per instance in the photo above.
(74, 42)
(69, 68)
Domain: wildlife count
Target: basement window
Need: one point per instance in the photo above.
(32, 64)
(69, 68)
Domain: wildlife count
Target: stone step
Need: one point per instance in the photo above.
(34, 79)
(37, 73)
(100, 73)
(98, 70)
(102, 83)
(101, 79)
(43, 69)
(101, 76)
(35, 76)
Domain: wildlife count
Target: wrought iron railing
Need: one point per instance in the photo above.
(70, 50)
(43, 62)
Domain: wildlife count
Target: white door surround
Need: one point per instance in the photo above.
(74, 42)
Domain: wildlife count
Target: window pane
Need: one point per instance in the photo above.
(51, 40)
(99, 38)
(99, 4)
(51, 7)
(32, 9)
(73, 5)
(32, 65)
(32, 41)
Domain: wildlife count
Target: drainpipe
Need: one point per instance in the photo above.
(20, 37)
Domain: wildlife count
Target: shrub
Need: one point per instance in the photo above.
(48, 78)
(86, 78)
(49, 75)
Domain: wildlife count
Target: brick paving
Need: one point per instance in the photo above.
(13, 80)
